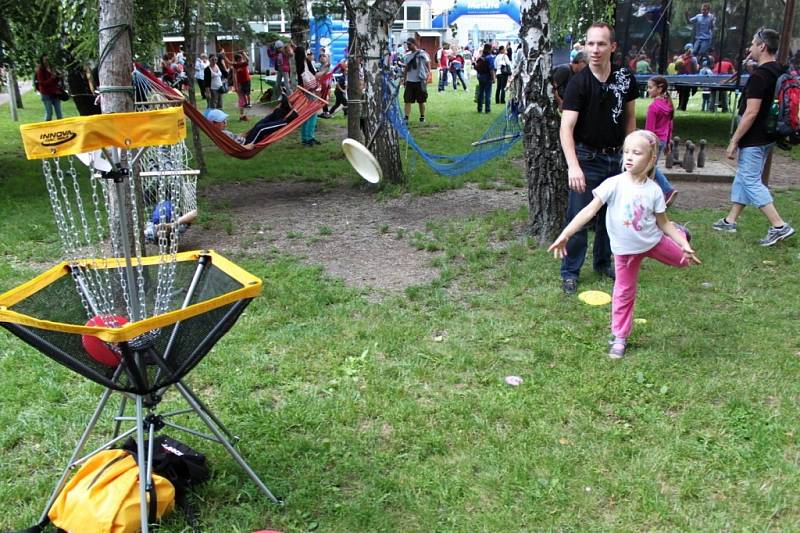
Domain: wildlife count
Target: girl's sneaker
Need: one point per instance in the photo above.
(616, 348)
(685, 231)
(670, 197)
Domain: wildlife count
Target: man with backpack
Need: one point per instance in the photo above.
(754, 142)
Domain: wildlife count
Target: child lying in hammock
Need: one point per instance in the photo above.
(278, 118)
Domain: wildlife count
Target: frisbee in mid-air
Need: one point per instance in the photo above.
(362, 160)
(595, 297)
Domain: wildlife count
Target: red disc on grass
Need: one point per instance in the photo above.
(97, 349)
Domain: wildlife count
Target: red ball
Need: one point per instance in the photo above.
(97, 349)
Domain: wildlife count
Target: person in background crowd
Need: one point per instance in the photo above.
(686, 66)
(305, 61)
(754, 143)
(723, 66)
(214, 78)
(443, 60)
(47, 81)
(703, 24)
(576, 48)
(282, 66)
(457, 70)
(561, 75)
(415, 78)
(660, 118)
(168, 72)
(502, 68)
(339, 88)
(484, 66)
(241, 65)
(706, 71)
(200, 65)
(643, 65)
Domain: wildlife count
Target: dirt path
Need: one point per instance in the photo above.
(364, 241)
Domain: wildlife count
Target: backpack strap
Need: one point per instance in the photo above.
(182, 501)
(38, 528)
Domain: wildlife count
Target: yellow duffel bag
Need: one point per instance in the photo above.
(103, 496)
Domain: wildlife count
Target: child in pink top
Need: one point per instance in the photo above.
(638, 227)
(659, 121)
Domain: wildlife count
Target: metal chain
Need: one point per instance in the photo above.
(137, 245)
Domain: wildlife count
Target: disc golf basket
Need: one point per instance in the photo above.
(132, 322)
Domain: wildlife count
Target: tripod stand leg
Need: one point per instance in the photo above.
(206, 418)
(143, 479)
(211, 415)
(75, 454)
(121, 412)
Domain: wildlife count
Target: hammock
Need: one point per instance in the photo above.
(304, 103)
(495, 141)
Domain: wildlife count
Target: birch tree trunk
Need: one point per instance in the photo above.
(354, 90)
(545, 166)
(370, 42)
(189, 32)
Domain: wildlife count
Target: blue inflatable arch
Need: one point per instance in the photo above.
(510, 8)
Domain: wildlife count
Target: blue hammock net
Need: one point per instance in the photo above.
(495, 141)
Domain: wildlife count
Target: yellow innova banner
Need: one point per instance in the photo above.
(78, 135)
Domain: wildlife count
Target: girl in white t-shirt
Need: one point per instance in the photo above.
(637, 226)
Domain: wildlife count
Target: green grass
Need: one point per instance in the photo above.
(393, 415)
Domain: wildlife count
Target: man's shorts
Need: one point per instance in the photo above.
(415, 92)
(244, 87)
(748, 189)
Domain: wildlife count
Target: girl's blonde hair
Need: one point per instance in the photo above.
(652, 142)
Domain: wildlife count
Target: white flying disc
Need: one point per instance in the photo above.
(362, 160)
(595, 297)
(100, 163)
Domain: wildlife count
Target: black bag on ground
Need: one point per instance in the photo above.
(181, 465)
(177, 462)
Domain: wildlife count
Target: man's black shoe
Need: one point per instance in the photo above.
(569, 286)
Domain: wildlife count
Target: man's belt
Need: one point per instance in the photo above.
(608, 150)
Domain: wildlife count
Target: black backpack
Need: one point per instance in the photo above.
(181, 465)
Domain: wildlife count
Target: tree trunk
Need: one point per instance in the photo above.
(354, 91)
(115, 73)
(17, 93)
(545, 166)
(299, 25)
(189, 32)
(7, 36)
(116, 21)
(370, 40)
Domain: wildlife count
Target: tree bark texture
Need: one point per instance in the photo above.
(116, 21)
(190, 30)
(115, 75)
(370, 42)
(545, 166)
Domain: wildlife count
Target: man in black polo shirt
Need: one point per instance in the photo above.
(598, 112)
(754, 143)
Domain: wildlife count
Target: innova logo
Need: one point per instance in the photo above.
(57, 137)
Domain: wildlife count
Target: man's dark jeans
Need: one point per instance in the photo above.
(596, 168)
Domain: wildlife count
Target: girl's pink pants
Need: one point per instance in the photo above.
(627, 269)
